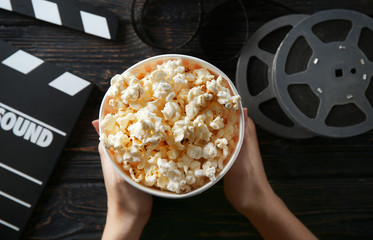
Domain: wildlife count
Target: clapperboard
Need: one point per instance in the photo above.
(69, 13)
(39, 106)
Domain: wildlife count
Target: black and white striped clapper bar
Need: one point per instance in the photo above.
(39, 106)
(69, 13)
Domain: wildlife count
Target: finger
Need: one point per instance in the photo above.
(249, 123)
(245, 113)
(101, 151)
(247, 128)
(95, 125)
(251, 126)
(103, 157)
(107, 168)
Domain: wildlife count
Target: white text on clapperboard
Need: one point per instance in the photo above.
(25, 128)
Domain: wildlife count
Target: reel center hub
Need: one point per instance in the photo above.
(342, 72)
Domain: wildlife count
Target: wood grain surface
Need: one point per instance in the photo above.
(327, 183)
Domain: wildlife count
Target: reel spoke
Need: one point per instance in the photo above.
(314, 42)
(299, 78)
(354, 35)
(323, 111)
(265, 95)
(265, 56)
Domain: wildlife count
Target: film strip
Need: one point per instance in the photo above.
(39, 106)
(69, 13)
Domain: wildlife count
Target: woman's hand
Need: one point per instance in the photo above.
(246, 183)
(129, 209)
(246, 186)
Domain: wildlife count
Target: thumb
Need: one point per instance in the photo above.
(95, 125)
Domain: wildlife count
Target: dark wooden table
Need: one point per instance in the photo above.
(327, 183)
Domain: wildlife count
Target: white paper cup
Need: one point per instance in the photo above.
(149, 65)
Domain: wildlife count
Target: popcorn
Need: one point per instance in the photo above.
(133, 92)
(124, 121)
(218, 123)
(222, 143)
(171, 128)
(116, 140)
(132, 154)
(224, 96)
(209, 170)
(194, 152)
(171, 111)
(172, 154)
(108, 124)
(209, 151)
(203, 75)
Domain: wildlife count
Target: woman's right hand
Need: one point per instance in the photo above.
(246, 184)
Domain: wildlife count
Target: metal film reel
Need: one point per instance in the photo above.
(323, 73)
(253, 78)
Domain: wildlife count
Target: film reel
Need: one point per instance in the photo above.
(253, 78)
(323, 73)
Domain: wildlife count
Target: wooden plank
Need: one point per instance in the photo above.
(333, 209)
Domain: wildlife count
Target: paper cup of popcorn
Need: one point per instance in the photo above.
(172, 125)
